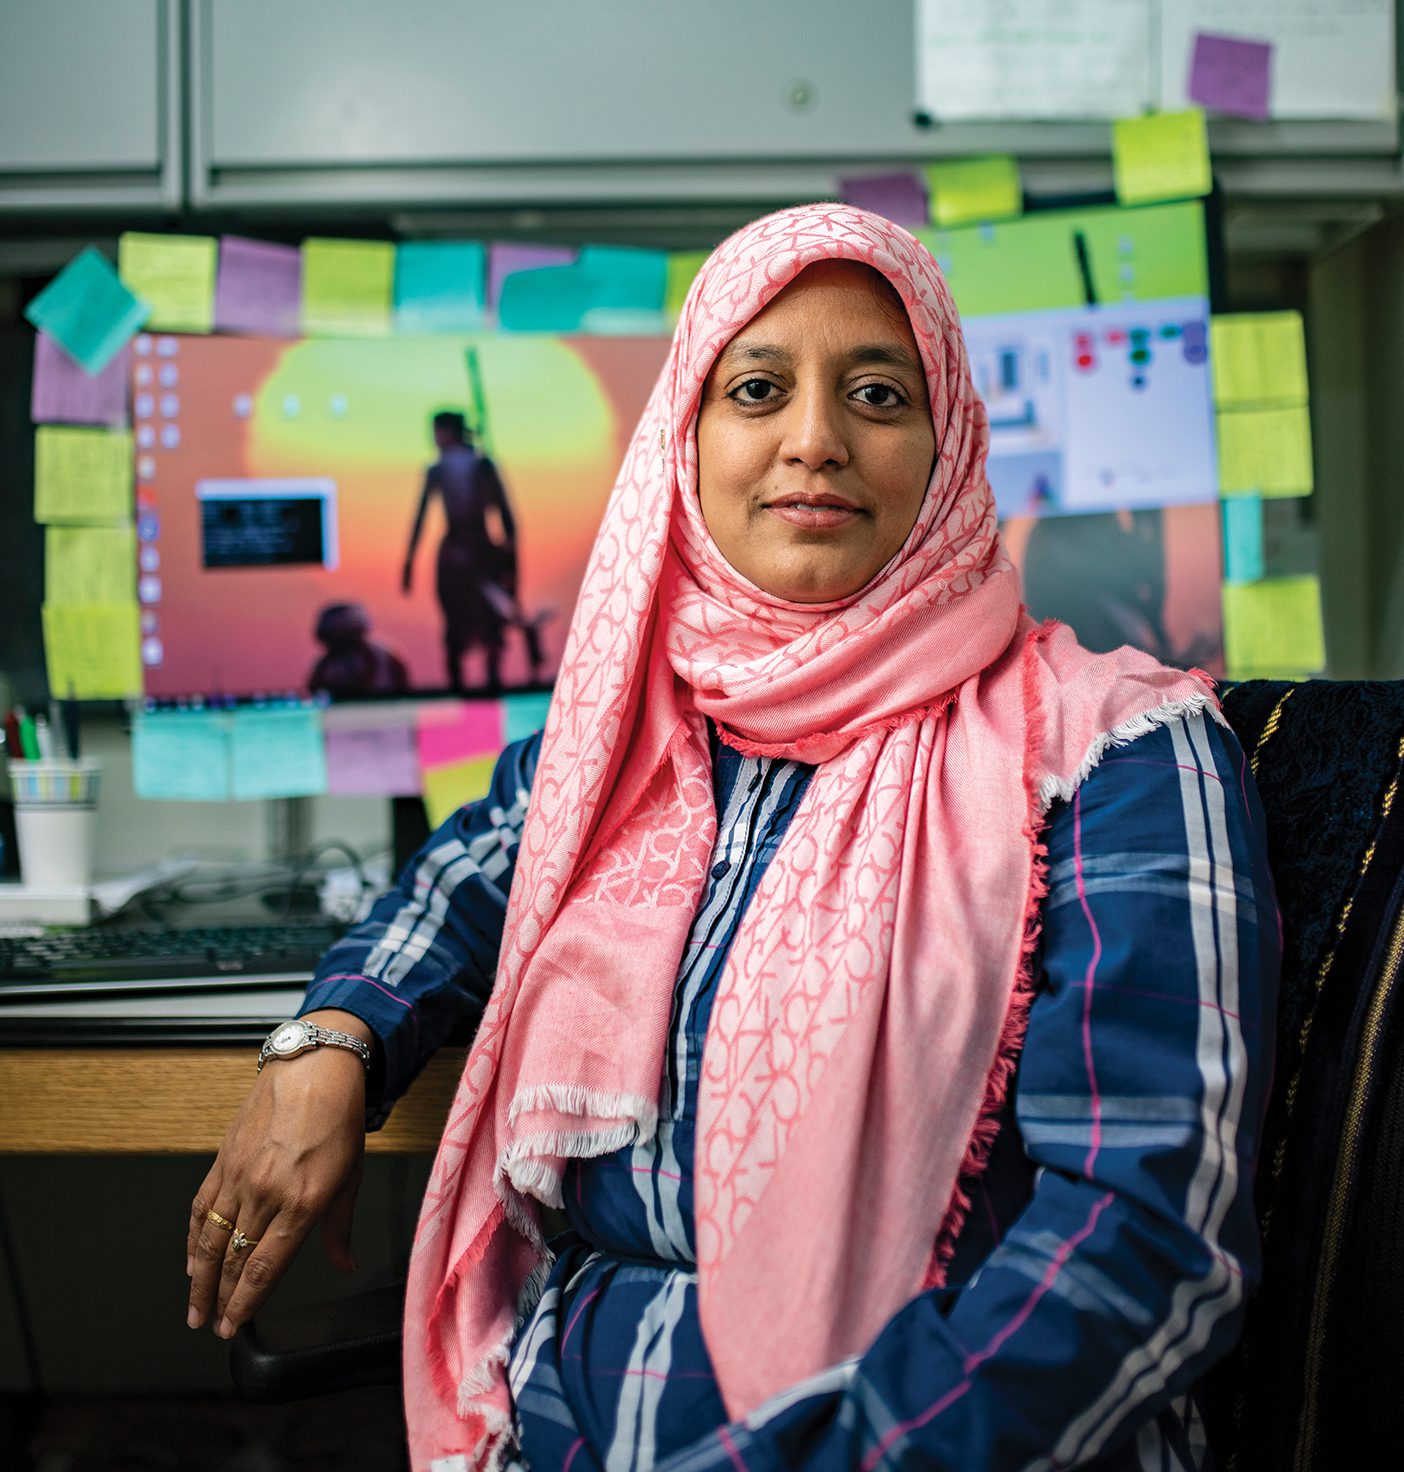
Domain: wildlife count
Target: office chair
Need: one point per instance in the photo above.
(1320, 1365)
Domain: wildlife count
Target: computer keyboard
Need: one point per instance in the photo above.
(159, 956)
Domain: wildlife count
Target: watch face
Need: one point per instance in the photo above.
(288, 1038)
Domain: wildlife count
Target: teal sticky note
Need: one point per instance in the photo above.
(624, 278)
(181, 754)
(440, 286)
(523, 716)
(278, 751)
(1243, 538)
(548, 299)
(88, 311)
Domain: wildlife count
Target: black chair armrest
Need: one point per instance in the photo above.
(322, 1348)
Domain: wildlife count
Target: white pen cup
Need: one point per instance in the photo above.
(55, 815)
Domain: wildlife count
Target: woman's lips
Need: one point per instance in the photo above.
(824, 515)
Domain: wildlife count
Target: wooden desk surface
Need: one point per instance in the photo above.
(161, 1100)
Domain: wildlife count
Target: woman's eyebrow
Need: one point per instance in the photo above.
(892, 355)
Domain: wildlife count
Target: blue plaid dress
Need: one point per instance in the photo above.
(1111, 1243)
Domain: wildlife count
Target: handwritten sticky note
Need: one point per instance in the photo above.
(900, 196)
(1231, 74)
(88, 311)
(971, 190)
(523, 716)
(371, 751)
(64, 392)
(1164, 155)
(1265, 450)
(182, 754)
(277, 751)
(505, 258)
(82, 475)
(259, 289)
(683, 266)
(440, 286)
(448, 787)
(348, 287)
(1258, 358)
(93, 649)
(175, 273)
(1243, 539)
(89, 564)
(1274, 625)
(454, 730)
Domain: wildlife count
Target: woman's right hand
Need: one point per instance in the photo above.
(292, 1157)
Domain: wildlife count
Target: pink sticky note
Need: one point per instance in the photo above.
(1231, 75)
(503, 259)
(64, 392)
(901, 197)
(369, 755)
(259, 288)
(456, 732)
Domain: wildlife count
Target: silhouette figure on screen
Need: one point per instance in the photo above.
(476, 576)
(354, 664)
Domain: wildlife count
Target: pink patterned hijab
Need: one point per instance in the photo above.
(872, 1005)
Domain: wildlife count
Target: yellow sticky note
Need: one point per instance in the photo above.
(89, 564)
(1258, 358)
(964, 191)
(683, 266)
(1273, 625)
(82, 475)
(93, 649)
(1265, 450)
(175, 274)
(348, 287)
(1164, 155)
(448, 787)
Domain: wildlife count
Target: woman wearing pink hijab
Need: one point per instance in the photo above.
(880, 984)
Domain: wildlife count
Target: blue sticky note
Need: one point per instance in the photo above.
(278, 751)
(523, 716)
(181, 754)
(1243, 538)
(549, 299)
(624, 278)
(440, 286)
(88, 311)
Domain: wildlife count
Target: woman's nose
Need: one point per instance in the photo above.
(813, 433)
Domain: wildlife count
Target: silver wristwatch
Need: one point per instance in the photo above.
(296, 1036)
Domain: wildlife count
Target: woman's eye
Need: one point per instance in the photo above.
(753, 391)
(879, 396)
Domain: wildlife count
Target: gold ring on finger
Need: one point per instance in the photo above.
(239, 1242)
(219, 1221)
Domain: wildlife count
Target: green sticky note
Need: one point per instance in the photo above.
(278, 751)
(1265, 450)
(522, 716)
(448, 787)
(88, 311)
(89, 564)
(182, 754)
(1258, 358)
(440, 286)
(175, 274)
(93, 649)
(347, 287)
(1273, 625)
(1031, 264)
(1243, 539)
(82, 475)
(966, 190)
(1164, 155)
(683, 266)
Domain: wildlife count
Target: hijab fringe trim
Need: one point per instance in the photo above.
(1054, 788)
(794, 750)
(574, 1099)
(532, 1165)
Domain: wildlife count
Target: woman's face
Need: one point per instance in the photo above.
(814, 438)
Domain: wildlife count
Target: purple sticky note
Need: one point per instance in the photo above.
(259, 289)
(504, 259)
(64, 392)
(900, 197)
(370, 753)
(1232, 75)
